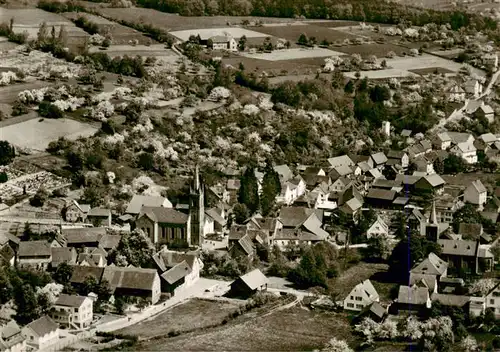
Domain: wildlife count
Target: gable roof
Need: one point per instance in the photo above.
(246, 244)
(465, 147)
(176, 273)
(478, 186)
(110, 241)
(43, 326)
(488, 137)
(166, 259)
(450, 300)
(352, 205)
(294, 216)
(101, 212)
(434, 180)
(34, 249)
(342, 160)
(254, 279)
(164, 215)
(70, 300)
(396, 154)
(129, 278)
(63, 255)
(458, 247)
(413, 295)
(432, 265)
(80, 273)
(284, 172)
(459, 137)
(138, 201)
(427, 280)
(383, 194)
(368, 288)
(216, 217)
(78, 236)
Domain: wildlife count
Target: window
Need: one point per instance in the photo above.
(360, 306)
(358, 298)
(352, 297)
(350, 305)
(172, 233)
(163, 233)
(492, 301)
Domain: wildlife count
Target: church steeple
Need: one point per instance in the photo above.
(432, 228)
(433, 216)
(197, 208)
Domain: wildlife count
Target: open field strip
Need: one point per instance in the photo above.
(206, 33)
(293, 53)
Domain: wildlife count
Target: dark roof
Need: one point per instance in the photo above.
(43, 326)
(413, 295)
(70, 300)
(375, 308)
(383, 183)
(82, 272)
(176, 273)
(395, 154)
(100, 212)
(34, 249)
(294, 216)
(84, 235)
(458, 247)
(375, 193)
(214, 214)
(450, 300)
(298, 235)
(166, 259)
(165, 215)
(110, 241)
(130, 278)
(246, 244)
(407, 179)
(63, 255)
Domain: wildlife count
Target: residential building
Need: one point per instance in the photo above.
(473, 88)
(83, 237)
(7, 255)
(490, 60)
(378, 228)
(380, 198)
(466, 151)
(446, 206)
(11, 338)
(177, 270)
(492, 300)
(61, 255)
(455, 93)
(137, 282)
(413, 300)
(75, 212)
(73, 312)
(92, 256)
(340, 184)
(81, 273)
(99, 217)
(398, 157)
(139, 201)
(424, 165)
(222, 43)
(429, 272)
(450, 300)
(469, 256)
(250, 283)
(377, 160)
(215, 221)
(351, 208)
(41, 333)
(242, 248)
(34, 254)
(460, 137)
(284, 172)
(341, 161)
(476, 194)
(430, 183)
(291, 190)
(300, 225)
(361, 296)
(164, 225)
(485, 111)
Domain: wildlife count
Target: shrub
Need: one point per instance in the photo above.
(19, 109)
(3, 177)
(49, 110)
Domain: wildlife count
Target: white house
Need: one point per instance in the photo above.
(41, 333)
(378, 228)
(492, 300)
(476, 193)
(222, 43)
(473, 87)
(442, 141)
(467, 151)
(11, 338)
(291, 190)
(456, 94)
(362, 295)
(74, 312)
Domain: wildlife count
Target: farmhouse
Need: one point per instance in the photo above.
(34, 254)
(74, 312)
(222, 43)
(135, 282)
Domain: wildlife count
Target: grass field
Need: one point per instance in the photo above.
(293, 53)
(293, 329)
(195, 314)
(36, 134)
(157, 50)
(365, 50)
(206, 33)
(292, 33)
(171, 22)
(293, 67)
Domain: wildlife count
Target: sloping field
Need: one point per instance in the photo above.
(172, 22)
(130, 50)
(292, 33)
(36, 134)
(206, 33)
(29, 20)
(294, 329)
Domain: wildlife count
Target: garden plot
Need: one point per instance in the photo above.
(206, 33)
(36, 134)
(293, 53)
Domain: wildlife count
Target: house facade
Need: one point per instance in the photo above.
(74, 312)
(476, 193)
(362, 295)
(11, 338)
(378, 228)
(164, 225)
(466, 151)
(41, 333)
(34, 255)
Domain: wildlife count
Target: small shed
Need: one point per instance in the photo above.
(248, 284)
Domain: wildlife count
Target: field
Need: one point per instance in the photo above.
(293, 53)
(36, 134)
(195, 314)
(365, 50)
(171, 22)
(29, 20)
(293, 329)
(157, 50)
(273, 68)
(292, 33)
(206, 33)
(119, 33)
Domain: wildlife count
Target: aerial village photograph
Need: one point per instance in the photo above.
(249, 175)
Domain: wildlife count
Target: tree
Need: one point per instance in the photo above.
(248, 193)
(469, 344)
(335, 345)
(43, 32)
(63, 273)
(466, 214)
(136, 248)
(399, 225)
(6, 288)
(49, 110)
(7, 153)
(271, 187)
(439, 166)
(242, 43)
(303, 39)
(379, 248)
(380, 93)
(27, 305)
(39, 198)
(408, 252)
(454, 164)
(3, 177)
(241, 213)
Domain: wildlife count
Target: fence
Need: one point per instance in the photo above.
(68, 340)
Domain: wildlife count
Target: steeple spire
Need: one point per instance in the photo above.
(433, 216)
(196, 183)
